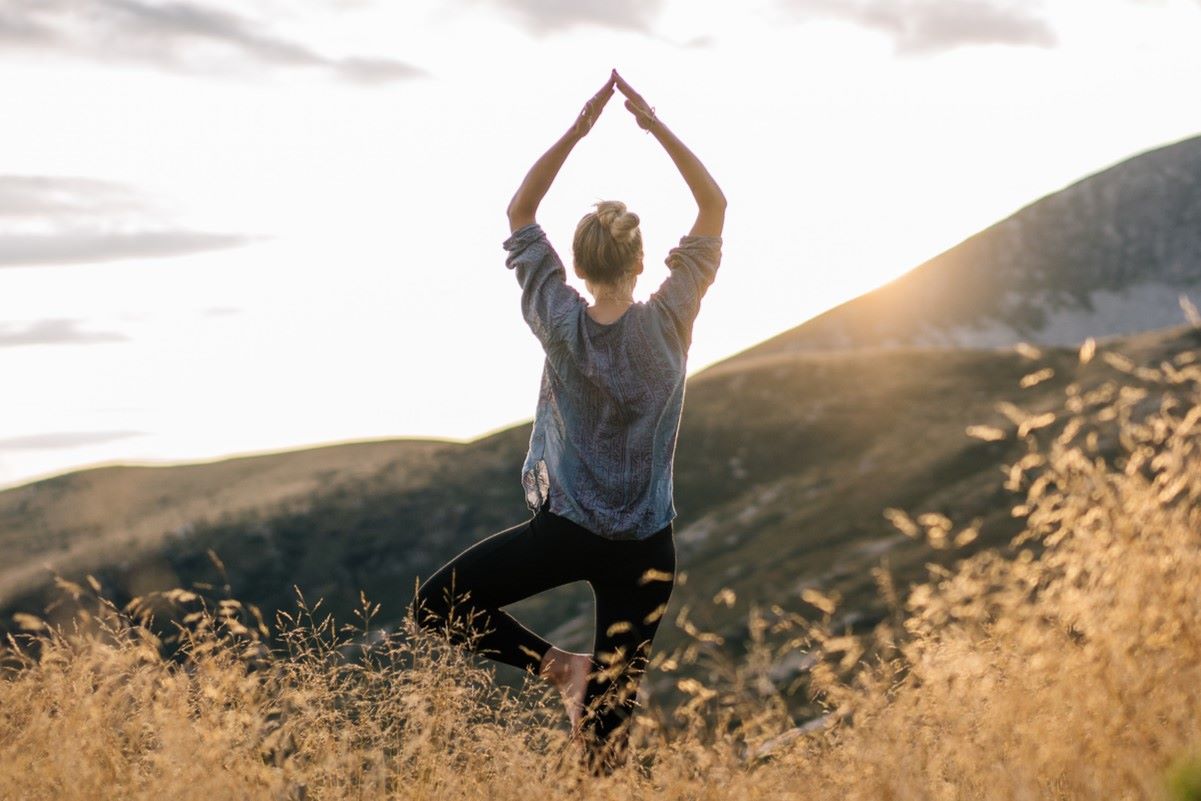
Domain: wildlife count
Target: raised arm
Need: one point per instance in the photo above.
(711, 203)
(524, 204)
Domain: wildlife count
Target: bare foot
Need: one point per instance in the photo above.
(569, 673)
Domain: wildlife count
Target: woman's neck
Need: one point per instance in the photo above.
(612, 301)
(616, 295)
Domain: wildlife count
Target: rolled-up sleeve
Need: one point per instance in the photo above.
(548, 303)
(693, 266)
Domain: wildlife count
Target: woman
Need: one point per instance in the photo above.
(598, 474)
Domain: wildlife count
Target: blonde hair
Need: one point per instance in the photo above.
(607, 243)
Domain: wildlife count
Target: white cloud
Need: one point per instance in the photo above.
(930, 26)
(171, 36)
(46, 220)
(544, 16)
(54, 331)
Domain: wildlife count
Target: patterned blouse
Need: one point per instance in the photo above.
(609, 406)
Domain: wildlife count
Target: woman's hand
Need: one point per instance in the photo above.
(643, 112)
(592, 109)
(524, 204)
(711, 203)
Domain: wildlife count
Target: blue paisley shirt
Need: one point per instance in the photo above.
(612, 395)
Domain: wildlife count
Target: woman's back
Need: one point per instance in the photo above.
(611, 396)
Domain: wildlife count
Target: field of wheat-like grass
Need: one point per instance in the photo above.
(1066, 667)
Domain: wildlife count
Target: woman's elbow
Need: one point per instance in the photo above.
(713, 202)
(519, 215)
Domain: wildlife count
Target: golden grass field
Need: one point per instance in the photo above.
(1068, 667)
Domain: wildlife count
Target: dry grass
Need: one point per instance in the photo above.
(1069, 668)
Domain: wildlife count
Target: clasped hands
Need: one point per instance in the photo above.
(643, 113)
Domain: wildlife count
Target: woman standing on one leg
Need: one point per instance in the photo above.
(598, 473)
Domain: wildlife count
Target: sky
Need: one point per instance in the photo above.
(229, 228)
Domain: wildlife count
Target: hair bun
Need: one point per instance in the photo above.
(621, 224)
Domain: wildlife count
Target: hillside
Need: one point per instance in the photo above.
(1109, 255)
(77, 520)
(784, 468)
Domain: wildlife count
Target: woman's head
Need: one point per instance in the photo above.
(608, 246)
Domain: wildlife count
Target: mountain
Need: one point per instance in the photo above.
(97, 516)
(1110, 254)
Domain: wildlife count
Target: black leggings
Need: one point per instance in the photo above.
(631, 579)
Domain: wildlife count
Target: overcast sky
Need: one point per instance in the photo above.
(233, 227)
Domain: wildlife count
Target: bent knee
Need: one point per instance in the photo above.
(429, 605)
(434, 603)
